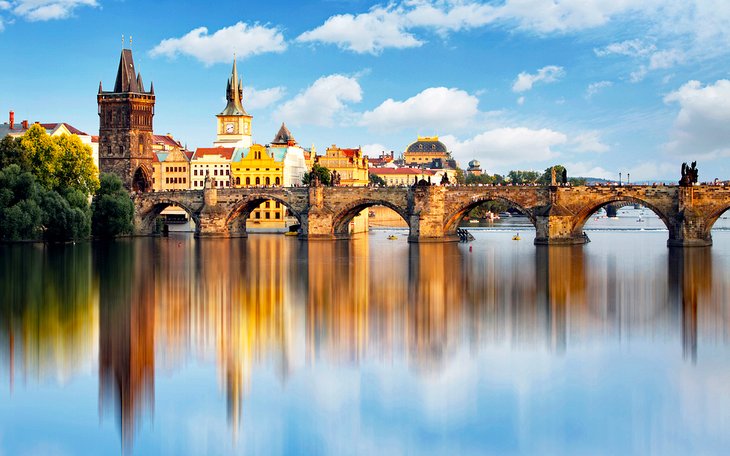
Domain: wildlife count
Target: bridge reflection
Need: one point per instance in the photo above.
(148, 305)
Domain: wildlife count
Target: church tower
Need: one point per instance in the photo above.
(234, 123)
(125, 127)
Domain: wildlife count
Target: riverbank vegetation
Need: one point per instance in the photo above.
(46, 185)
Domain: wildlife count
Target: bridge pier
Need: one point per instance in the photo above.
(557, 230)
(428, 216)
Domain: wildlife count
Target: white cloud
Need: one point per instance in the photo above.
(630, 48)
(243, 39)
(374, 150)
(319, 103)
(435, 107)
(525, 81)
(589, 141)
(45, 10)
(521, 101)
(506, 146)
(665, 59)
(595, 87)
(701, 127)
(584, 169)
(262, 98)
(447, 16)
(371, 32)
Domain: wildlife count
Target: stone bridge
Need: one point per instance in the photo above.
(433, 213)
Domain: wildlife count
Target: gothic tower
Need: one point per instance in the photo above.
(125, 127)
(234, 123)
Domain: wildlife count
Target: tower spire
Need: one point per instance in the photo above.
(234, 94)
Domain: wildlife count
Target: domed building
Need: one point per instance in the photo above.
(428, 152)
(474, 168)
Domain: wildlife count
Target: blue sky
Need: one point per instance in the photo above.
(600, 85)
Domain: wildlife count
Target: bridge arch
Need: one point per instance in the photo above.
(147, 217)
(454, 219)
(341, 220)
(710, 220)
(589, 209)
(237, 218)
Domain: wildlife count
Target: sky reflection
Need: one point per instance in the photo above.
(270, 345)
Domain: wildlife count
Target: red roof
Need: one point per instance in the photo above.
(70, 128)
(402, 171)
(189, 154)
(167, 140)
(95, 139)
(225, 152)
(349, 152)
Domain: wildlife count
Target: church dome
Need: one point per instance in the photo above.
(427, 144)
(474, 164)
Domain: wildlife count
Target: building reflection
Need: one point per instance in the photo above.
(280, 304)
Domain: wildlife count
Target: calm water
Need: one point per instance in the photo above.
(273, 346)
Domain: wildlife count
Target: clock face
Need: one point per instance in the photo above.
(229, 128)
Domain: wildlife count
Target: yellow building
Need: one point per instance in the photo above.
(350, 164)
(428, 152)
(352, 167)
(171, 170)
(257, 167)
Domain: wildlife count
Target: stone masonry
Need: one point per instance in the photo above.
(433, 213)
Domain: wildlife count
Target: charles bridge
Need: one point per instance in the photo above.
(433, 213)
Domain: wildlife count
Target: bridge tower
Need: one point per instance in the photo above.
(125, 127)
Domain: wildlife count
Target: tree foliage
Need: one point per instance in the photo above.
(376, 180)
(112, 209)
(523, 177)
(20, 212)
(546, 178)
(324, 174)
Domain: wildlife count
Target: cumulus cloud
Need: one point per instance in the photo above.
(548, 74)
(630, 48)
(595, 87)
(701, 126)
(374, 150)
(435, 107)
(319, 103)
(502, 147)
(45, 10)
(243, 39)
(589, 141)
(371, 32)
(262, 98)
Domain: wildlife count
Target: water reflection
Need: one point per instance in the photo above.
(273, 303)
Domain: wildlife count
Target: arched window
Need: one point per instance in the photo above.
(248, 181)
(238, 181)
(258, 181)
(277, 181)
(268, 181)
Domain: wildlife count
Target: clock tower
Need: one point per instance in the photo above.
(234, 123)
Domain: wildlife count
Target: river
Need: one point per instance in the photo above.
(270, 345)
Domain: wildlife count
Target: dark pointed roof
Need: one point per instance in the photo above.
(234, 95)
(283, 136)
(128, 80)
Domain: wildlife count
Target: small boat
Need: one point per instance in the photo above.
(392, 237)
(473, 221)
(291, 233)
(516, 237)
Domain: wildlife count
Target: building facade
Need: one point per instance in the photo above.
(350, 164)
(125, 127)
(213, 162)
(428, 152)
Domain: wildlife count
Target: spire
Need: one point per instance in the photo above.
(99, 86)
(152, 88)
(234, 95)
(140, 86)
(126, 82)
(284, 136)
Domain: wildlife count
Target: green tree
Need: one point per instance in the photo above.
(376, 180)
(324, 174)
(65, 218)
(112, 209)
(546, 177)
(76, 167)
(523, 177)
(11, 153)
(20, 214)
(43, 154)
(460, 178)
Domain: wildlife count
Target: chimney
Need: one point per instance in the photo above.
(12, 120)
(24, 124)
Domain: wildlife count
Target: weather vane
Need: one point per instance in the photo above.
(130, 41)
(122, 40)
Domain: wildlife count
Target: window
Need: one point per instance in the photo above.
(278, 216)
(248, 181)
(215, 172)
(257, 215)
(268, 215)
(185, 180)
(268, 204)
(258, 181)
(278, 205)
(268, 181)
(228, 172)
(277, 181)
(238, 181)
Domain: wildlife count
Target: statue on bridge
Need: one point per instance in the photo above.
(207, 180)
(445, 179)
(689, 174)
